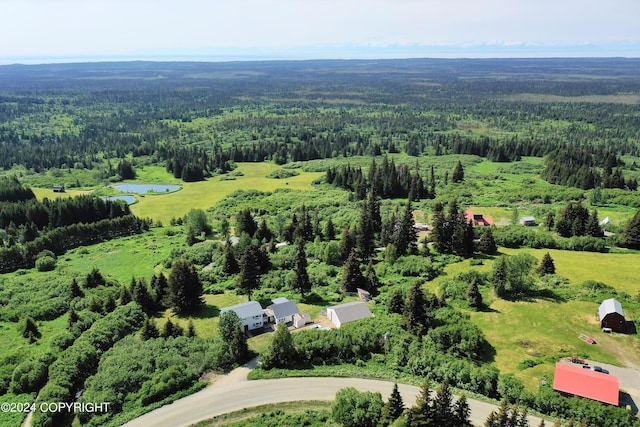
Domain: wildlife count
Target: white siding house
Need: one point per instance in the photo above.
(349, 312)
(281, 311)
(250, 313)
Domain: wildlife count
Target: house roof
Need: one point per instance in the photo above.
(586, 383)
(478, 219)
(245, 309)
(606, 220)
(528, 218)
(279, 300)
(351, 311)
(284, 309)
(609, 306)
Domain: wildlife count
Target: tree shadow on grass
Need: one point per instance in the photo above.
(204, 312)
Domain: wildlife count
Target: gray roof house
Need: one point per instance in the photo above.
(612, 316)
(349, 312)
(281, 311)
(250, 313)
(528, 221)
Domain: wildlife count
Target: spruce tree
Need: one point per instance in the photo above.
(191, 330)
(281, 353)
(301, 282)
(474, 297)
(149, 330)
(439, 235)
(395, 303)
(245, 223)
(631, 235)
(487, 242)
(442, 405)
(373, 283)
(347, 243)
(406, 237)
(421, 415)
(547, 266)
(415, 318)
(392, 409)
(229, 263)
(365, 238)
(352, 277)
(458, 173)
(329, 230)
(499, 276)
(461, 412)
(125, 296)
(185, 287)
(249, 278)
(593, 225)
(74, 289)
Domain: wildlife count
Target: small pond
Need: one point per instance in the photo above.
(146, 188)
(128, 198)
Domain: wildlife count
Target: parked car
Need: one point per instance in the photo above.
(597, 368)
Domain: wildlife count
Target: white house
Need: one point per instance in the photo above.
(281, 311)
(349, 312)
(299, 320)
(250, 313)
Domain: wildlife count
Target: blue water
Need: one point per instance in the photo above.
(146, 188)
(129, 199)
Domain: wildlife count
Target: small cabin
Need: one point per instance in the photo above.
(58, 189)
(528, 221)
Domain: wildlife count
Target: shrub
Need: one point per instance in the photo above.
(46, 263)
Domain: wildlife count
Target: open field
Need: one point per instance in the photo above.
(204, 194)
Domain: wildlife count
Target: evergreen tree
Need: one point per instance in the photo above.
(249, 278)
(474, 297)
(392, 409)
(94, 279)
(73, 318)
(440, 234)
(301, 282)
(442, 406)
(191, 330)
(140, 294)
(547, 266)
(395, 303)
(185, 288)
(245, 223)
(593, 225)
(631, 235)
(191, 237)
(406, 237)
(109, 304)
(352, 277)
(461, 412)
(74, 289)
(458, 173)
(347, 243)
(550, 221)
(421, 415)
(499, 276)
(229, 263)
(329, 230)
(373, 283)
(160, 289)
(263, 234)
(225, 228)
(487, 242)
(125, 296)
(238, 346)
(168, 329)
(365, 237)
(415, 319)
(149, 330)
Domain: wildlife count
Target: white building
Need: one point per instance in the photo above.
(281, 311)
(250, 313)
(349, 312)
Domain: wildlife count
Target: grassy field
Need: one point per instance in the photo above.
(204, 194)
(543, 330)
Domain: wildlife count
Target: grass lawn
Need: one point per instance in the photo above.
(204, 194)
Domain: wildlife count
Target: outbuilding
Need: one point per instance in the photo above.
(612, 316)
(281, 311)
(349, 312)
(579, 381)
(528, 221)
(250, 313)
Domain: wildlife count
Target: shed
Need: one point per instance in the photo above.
(58, 189)
(299, 320)
(349, 312)
(605, 221)
(582, 382)
(612, 316)
(364, 295)
(528, 221)
(250, 313)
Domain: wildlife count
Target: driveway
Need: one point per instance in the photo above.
(234, 392)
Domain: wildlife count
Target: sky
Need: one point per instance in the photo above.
(63, 30)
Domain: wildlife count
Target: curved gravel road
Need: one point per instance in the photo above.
(233, 392)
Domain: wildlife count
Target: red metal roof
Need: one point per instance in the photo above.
(586, 383)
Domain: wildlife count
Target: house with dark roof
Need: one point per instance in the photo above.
(578, 381)
(349, 312)
(612, 316)
(250, 313)
(478, 219)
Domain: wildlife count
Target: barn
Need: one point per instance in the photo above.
(612, 316)
(349, 312)
(578, 381)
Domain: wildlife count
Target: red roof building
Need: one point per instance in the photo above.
(478, 219)
(586, 383)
